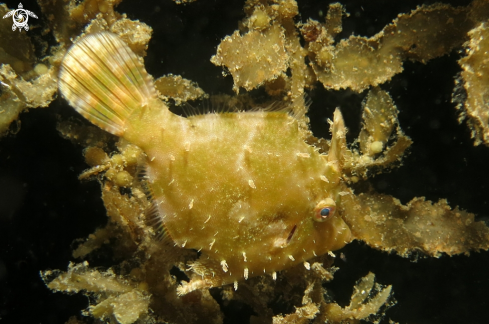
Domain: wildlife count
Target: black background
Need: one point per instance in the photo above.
(44, 208)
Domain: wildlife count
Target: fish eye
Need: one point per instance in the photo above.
(324, 210)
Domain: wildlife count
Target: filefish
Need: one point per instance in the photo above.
(243, 188)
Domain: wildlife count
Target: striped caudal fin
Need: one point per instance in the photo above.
(104, 81)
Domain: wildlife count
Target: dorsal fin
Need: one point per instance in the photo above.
(105, 81)
(221, 104)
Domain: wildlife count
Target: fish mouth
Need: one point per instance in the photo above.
(291, 234)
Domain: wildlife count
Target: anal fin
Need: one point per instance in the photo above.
(152, 213)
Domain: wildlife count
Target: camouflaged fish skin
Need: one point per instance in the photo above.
(242, 188)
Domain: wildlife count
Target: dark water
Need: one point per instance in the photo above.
(44, 208)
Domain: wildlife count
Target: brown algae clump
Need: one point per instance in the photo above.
(475, 77)
(25, 80)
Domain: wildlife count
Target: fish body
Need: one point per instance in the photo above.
(242, 188)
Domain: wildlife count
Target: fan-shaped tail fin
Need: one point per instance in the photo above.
(105, 81)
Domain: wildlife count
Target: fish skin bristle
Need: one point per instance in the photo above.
(105, 81)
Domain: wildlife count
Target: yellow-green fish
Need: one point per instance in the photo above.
(243, 188)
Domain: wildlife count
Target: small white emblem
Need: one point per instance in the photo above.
(20, 17)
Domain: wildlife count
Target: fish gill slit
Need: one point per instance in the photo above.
(291, 234)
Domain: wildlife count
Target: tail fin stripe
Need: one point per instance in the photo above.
(105, 81)
(87, 100)
(138, 79)
(114, 73)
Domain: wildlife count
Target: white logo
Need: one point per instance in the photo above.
(20, 17)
